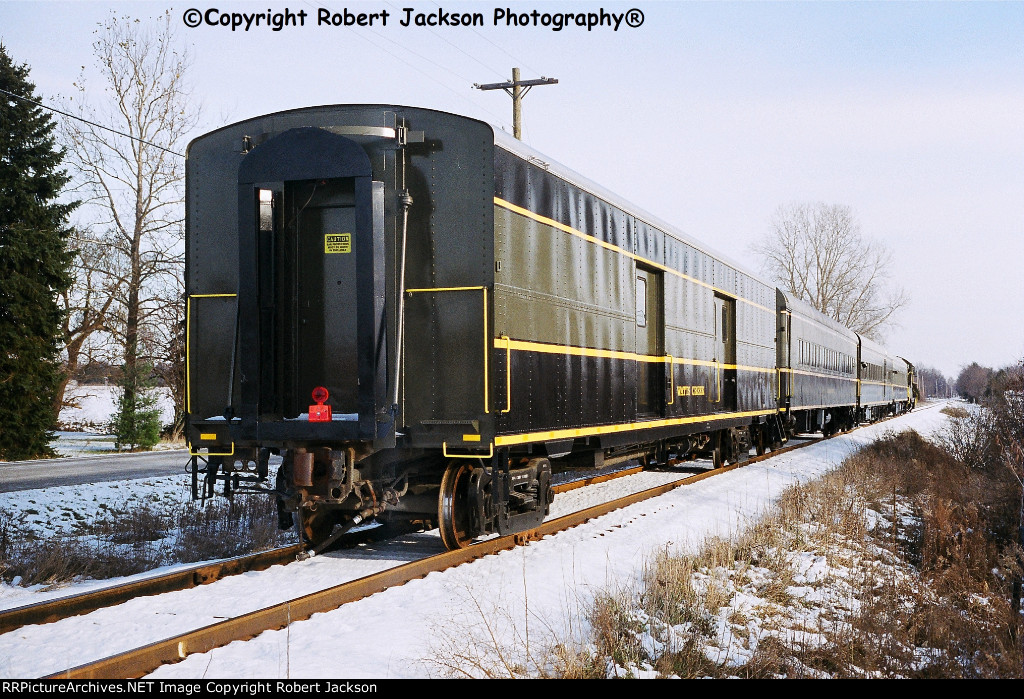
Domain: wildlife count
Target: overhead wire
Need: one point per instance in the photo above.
(502, 120)
(454, 46)
(514, 58)
(91, 123)
(417, 68)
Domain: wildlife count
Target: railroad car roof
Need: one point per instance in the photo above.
(873, 346)
(810, 311)
(517, 147)
(513, 145)
(316, 109)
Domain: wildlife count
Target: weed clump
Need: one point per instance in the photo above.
(137, 537)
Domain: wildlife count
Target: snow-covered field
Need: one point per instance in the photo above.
(540, 591)
(56, 511)
(84, 427)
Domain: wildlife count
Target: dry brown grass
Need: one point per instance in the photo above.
(496, 638)
(915, 557)
(954, 411)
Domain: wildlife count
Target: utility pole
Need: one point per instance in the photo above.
(517, 90)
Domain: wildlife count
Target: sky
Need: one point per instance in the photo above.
(710, 115)
(542, 590)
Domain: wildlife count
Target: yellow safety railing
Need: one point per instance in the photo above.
(508, 373)
(671, 378)
(718, 382)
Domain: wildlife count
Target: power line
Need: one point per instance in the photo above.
(516, 128)
(514, 58)
(454, 46)
(91, 123)
(424, 72)
(418, 55)
(398, 58)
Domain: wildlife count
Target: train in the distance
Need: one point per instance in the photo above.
(426, 318)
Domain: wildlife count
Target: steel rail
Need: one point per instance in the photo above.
(138, 662)
(53, 610)
(49, 611)
(85, 602)
(592, 480)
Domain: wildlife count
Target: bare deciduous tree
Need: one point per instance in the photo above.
(973, 382)
(134, 183)
(86, 305)
(933, 383)
(817, 252)
(170, 344)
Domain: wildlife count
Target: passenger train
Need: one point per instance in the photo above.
(426, 318)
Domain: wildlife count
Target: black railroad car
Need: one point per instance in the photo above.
(423, 316)
(817, 359)
(621, 333)
(875, 380)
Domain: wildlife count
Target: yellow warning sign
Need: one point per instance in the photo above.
(337, 242)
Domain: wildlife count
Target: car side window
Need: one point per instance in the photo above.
(641, 302)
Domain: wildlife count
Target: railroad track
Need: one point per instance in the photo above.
(72, 605)
(53, 610)
(85, 602)
(140, 661)
(135, 663)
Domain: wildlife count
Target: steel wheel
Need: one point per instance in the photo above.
(759, 440)
(452, 507)
(717, 454)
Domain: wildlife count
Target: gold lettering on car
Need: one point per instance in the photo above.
(684, 391)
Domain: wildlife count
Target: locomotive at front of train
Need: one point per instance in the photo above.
(902, 377)
(339, 262)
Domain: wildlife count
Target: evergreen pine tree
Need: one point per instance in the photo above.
(136, 423)
(34, 266)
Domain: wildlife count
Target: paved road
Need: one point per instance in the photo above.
(46, 473)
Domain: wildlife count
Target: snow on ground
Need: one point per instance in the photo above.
(56, 511)
(545, 587)
(84, 426)
(95, 406)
